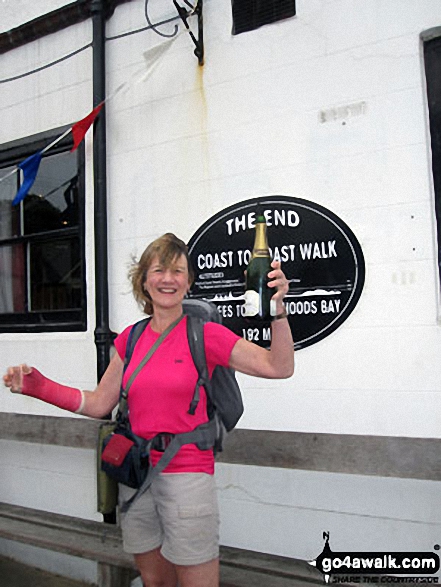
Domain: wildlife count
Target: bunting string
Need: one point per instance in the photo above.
(43, 67)
(30, 166)
(60, 138)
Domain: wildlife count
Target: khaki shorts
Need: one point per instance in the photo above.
(178, 513)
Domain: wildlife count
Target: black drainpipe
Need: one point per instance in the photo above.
(103, 335)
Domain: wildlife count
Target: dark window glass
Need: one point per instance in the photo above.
(52, 202)
(55, 275)
(42, 268)
(432, 55)
(252, 14)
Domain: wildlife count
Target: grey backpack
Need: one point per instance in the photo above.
(223, 392)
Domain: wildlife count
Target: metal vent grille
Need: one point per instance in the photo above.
(252, 14)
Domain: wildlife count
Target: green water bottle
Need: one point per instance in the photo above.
(257, 293)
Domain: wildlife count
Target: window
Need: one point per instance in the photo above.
(252, 14)
(432, 56)
(42, 267)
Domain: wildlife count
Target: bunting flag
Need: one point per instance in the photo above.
(81, 127)
(30, 169)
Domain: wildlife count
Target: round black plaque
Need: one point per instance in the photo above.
(320, 256)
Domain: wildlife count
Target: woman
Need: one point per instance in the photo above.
(173, 528)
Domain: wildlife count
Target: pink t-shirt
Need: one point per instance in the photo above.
(160, 395)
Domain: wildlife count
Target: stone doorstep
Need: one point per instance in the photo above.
(269, 565)
(18, 574)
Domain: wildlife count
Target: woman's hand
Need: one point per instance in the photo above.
(278, 280)
(14, 377)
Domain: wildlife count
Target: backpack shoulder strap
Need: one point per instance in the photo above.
(134, 334)
(195, 335)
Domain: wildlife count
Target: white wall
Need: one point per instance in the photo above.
(56, 479)
(192, 141)
(266, 115)
(288, 516)
(56, 96)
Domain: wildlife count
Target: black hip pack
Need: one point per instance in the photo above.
(125, 457)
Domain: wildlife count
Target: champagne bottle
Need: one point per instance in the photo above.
(257, 293)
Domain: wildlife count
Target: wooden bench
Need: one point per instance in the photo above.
(102, 543)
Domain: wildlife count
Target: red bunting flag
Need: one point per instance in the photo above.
(80, 128)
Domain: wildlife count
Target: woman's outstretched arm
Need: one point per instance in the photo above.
(95, 404)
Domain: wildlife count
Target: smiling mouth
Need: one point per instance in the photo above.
(167, 290)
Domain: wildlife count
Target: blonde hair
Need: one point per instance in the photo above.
(168, 248)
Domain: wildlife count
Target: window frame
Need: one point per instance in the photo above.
(431, 45)
(68, 320)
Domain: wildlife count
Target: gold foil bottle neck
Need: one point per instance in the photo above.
(260, 248)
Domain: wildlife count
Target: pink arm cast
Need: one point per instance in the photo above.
(37, 385)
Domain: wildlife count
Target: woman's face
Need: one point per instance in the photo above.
(167, 286)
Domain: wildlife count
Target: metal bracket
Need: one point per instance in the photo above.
(184, 14)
